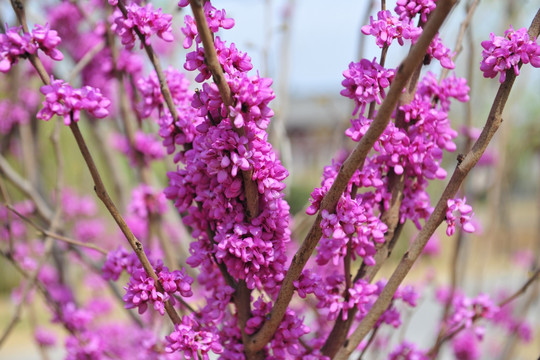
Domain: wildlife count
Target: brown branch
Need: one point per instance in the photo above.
(7, 200)
(354, 161)
(85, 60)
(53, 235)
(493, 122)
(43, 209)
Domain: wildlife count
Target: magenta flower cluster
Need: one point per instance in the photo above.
(365, 82)
(182, 131)
(143, 19)
(501, 54)
(13, 45)
(63, 100)
(408, 9)
(194, 342)
(141, 289)
(465, 214)
(252, 249)
(387, 28)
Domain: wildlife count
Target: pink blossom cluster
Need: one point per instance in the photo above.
(508, 319)
(387, 28)
(285, 342)
(408, 9)
(144, 19)
(501, 54)
(13, 45)
(352, 227)
(216, 19)
(231, 59)
(182, 131)
(141, 289)
(440, 52)
(146, 205)
(335, 300)
(194, 342)
(465, 346)
(147, 202)
(465, 214)
(63, 100)
(365, 82)
(414, 149)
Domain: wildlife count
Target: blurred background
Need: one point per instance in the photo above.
(305, 46)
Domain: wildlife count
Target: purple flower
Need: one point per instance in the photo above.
(193, 341)
(62, 100)
(147, 202)
(11, 114)
(504, 53)
(465, 346)
(142, 290)
(387, 28)
(44, 337)
(440, 52)
(216, 19)
(47, 40)
(14, 45)
(465, 212)
(408, 9)
(147, 20)
(365, 82)
(117, 261)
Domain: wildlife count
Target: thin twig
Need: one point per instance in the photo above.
(43, 209)
(462, 30)
(7, 200)
(85, 60)
(493, 122)
(45, 232)
(354, 161)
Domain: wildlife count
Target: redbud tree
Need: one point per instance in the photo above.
(207, 266)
